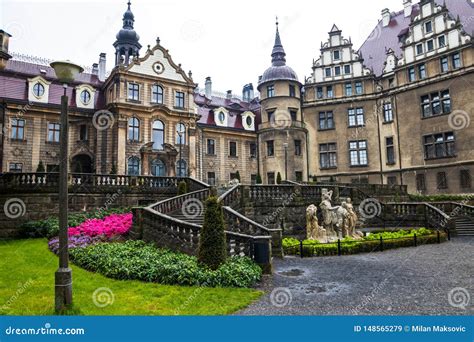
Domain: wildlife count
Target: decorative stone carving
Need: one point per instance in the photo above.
(313, 230)
(350, 220)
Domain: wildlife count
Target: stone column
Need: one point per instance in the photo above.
(121, 147)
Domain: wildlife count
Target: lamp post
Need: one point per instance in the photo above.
(285, 145)
(65, 72)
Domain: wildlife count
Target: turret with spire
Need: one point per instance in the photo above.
(127, 45)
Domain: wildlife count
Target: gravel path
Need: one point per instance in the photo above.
(405, 281)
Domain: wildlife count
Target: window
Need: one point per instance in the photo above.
(337, 71)
(419, 49)
(358, 153)
(270, 148)
(436, 104)
(233, 175)
(158, 168)
(411, 74)
(297, 147)
(181, 168)
(356, 117)
(248, 121)
(422, 71)
(327, 156)
(253, 179)
(441, 41)
(38, 90)
(158, 135)
(319, 92)
(348, 89)
(326, 120)
(359, 88)
(456, 59)
(392, 180)
(253, 150)
(390, 150)
(292, 90)
(428, 27)
(337, 55)
(329, 92)
(299, 176)
(133, 166)
(444, 64)
(211, 178)
(347, 69)
(18, 129)
(180, 134)
(221, 117)
(232, 149)
(133, 92)
(179, 99)
(270, 91)
(465, 178)
(85, 97)
(430, 45)
(328, 72)
(441, 180)
(293, 115)
(211, 146)
(52, 168)
(133, 130)
(271, 177)
(15, 167)
(387, 112)
(439, 145)
(157, 94)
(53, 132)
(420, 182)
(83, 132)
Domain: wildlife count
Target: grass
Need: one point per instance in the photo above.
(27, 288)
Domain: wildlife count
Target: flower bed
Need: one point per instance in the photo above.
(115, 224)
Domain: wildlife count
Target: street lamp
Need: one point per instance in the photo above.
(66, 72)
(285, 145)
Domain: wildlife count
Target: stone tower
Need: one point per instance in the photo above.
(127, 46)
(281, 135)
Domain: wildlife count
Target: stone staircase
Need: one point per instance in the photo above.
(464, 226)
(196, 219)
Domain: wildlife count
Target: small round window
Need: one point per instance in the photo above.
(85, 96)
(221, 117)
(248, 121)
(38, 90)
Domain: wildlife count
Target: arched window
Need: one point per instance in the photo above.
(158, 135)
(157, 94)
(180, 134)
(133, 166)
(181, 168)
(133, 129)
(158, 168)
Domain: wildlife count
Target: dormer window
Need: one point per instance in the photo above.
(38, 90)
(85, 97)
(221, 117)
(248, 121)
(428, 27)
(337, 55)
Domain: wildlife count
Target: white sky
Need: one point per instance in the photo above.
(229, 41)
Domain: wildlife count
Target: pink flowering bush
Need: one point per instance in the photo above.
(116, 224)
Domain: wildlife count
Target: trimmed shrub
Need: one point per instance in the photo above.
(40, 168)
(278, 178)
(237, 175)
(182, 188)
(441, 198)
(212, 243)
(259, 179)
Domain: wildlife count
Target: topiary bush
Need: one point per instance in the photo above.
(278, 178)
(212, 243)
(259, 179)
(237, 175)
(40, 168)
(182, 188)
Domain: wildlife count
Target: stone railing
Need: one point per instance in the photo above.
(370, 189)
(175, 203)
(455, 209)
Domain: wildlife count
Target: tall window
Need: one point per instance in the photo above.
(444, 64)
(83, 133)
(411, 74)
(181, 168)
(328, 72)
(158, 135)
(327, 156)
(232, 149)
(422, 71)
(419, 49)
(270, 148)
(211, 146)
(157, 94)
(420, 182)
(439, 145)
(456, 59)
(253, 150)
(436, 104)
(337, 71)
(430, 45)
(347, 69)
(337, 55)
(319, 92)
(293, 115)
(442, 180)
(387, 112)
(270, 91)
(359, 89)
(271, 177)
(299, 176)
(133, 92)
(390, 150)
(356, 117)
(297, 147)
(158, 168)
(18, 129)
(133, 130)
(53, 132)
(358, 153)
(292, 90)
(329, 92)
(180, 134)
(348, 89)
(179, 99)
(465, 178)
(428, 27)
(441, 41)
(326, 120)
(133, 166)
(211, 178)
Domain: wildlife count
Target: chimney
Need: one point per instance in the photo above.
(229, 94)
(407, 6)
(4, 56)
(101, 74)
(95, 69)
(208, 87)
(385, 17)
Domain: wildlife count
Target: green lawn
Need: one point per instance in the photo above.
(27, 288)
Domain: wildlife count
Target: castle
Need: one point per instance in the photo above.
(396, 111)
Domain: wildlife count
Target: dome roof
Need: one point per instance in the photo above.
(282, 72)
(127, 35)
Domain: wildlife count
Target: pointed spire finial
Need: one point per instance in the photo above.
(129, 3)
(278, 53)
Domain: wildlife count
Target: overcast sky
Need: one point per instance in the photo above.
(230, 41)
